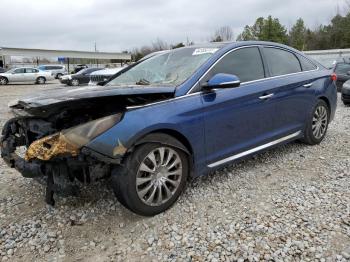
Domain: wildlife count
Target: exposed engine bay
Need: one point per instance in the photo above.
(53, 130)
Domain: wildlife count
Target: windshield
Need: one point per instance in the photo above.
(11, 70)
(171, 68)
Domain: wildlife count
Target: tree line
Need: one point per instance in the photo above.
(335, 35)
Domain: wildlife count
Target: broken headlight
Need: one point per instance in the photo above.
(83, 134)
(69, 141)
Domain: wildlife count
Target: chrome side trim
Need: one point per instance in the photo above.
(230, 83)
(253, 150)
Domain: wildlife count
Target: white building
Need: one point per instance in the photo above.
(11, 57)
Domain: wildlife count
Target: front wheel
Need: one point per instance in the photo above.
(41, 80)
(317, 125)
(75, 82)
(152, 178)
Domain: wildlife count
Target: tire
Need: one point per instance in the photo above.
(317, 125)
(346, 103)
(3, 81)
(58, 76)
(157, 190)
(41, 80)
(74, 82)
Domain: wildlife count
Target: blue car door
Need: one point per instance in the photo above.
(294, 80)
(242, 118)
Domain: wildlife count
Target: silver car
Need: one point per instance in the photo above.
(25, 74)
(57, 70)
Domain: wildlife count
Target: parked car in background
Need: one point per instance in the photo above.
(342, 69)
(77, 68)
(345, 93)
(56, 70)
(25, 74)
(103, 75)
(184, 113)
(80, 78)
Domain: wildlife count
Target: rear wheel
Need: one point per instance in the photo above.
(317, 125)
(41, 80)
(152, 178)
(58, 76)
(3, 81)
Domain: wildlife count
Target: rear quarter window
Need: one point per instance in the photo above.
(281, 62)
(306, 64)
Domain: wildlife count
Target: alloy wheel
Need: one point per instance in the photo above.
(41, 80)
(75, 82)
(3, 81)
(320, 121)
(159, 176)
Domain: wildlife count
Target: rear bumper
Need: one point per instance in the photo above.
(345, 94)
(345, 98)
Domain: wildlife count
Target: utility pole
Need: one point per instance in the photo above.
(96, 60)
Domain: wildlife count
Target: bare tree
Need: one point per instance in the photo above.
(159, 45)
(347, 3)
(224, 33)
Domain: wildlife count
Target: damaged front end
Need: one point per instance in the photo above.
(60, 157)
(47, 138)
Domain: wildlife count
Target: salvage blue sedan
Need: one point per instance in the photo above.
(177, 114)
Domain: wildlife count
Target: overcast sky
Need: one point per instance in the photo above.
(123, 24)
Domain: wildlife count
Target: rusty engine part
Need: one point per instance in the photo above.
(51, 146)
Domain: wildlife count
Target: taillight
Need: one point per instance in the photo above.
(334, 77)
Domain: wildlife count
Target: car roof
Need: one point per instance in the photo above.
(24, 67)
(236, 44)
(51, 65)
(107, 71)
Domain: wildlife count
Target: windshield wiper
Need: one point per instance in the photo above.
(143, 82)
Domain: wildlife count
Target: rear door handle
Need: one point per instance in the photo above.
(308, 85)
(264, 97)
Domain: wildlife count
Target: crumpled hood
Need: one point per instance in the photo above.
(64, 95)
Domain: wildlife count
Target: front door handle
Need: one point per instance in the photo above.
(308, 85)
(264, 97)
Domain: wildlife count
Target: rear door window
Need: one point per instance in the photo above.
(31, 70)
(281, 62)
(19, 71)
(245, 63)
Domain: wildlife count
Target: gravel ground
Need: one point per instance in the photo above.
(291, 203)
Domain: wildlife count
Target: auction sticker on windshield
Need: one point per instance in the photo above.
(202, 51)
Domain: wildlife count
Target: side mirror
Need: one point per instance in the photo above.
(222, 81)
